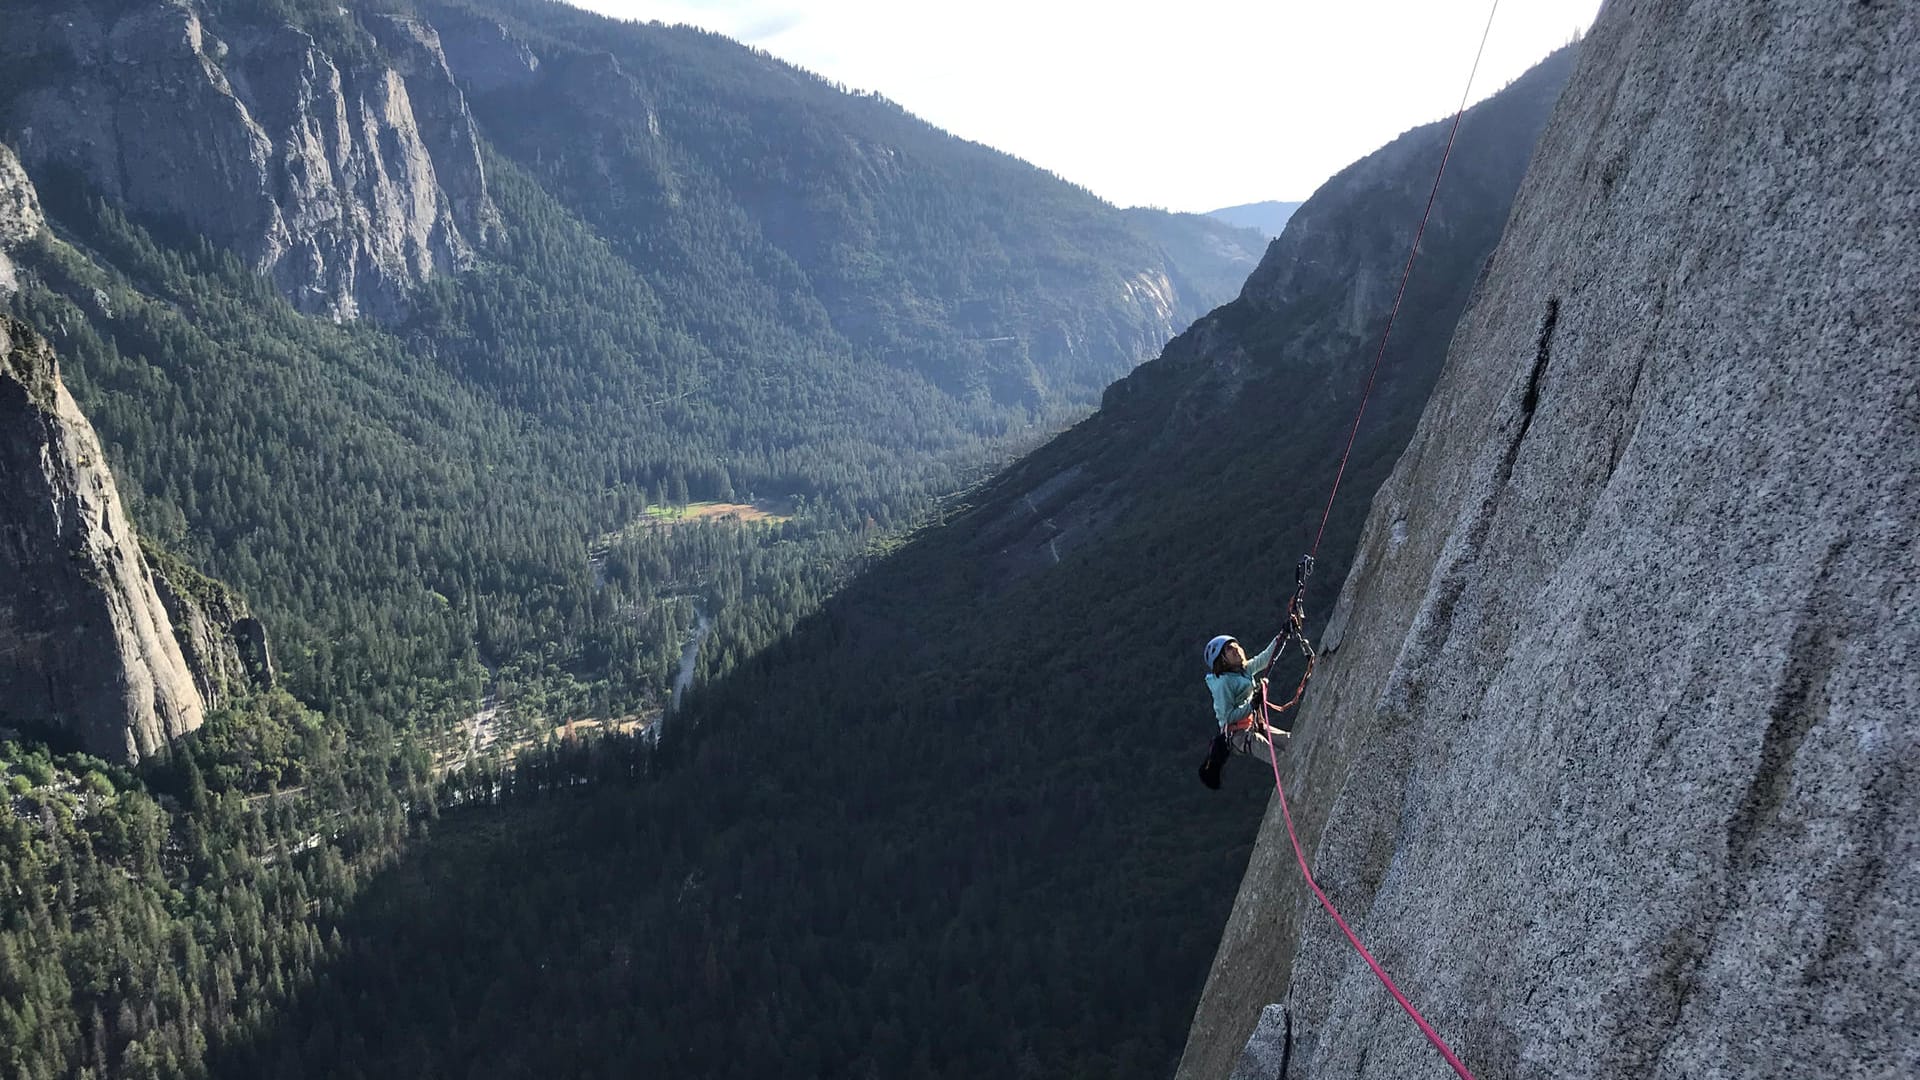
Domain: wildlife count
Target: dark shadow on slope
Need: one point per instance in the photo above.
(950, 826)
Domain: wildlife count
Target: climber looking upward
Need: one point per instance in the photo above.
(1231, 678)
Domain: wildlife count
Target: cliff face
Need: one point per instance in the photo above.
(20, 217)
(831, 199)
(1295, 343)
(225, 646)
(1614, 766)
(85, 644)
(348, 176)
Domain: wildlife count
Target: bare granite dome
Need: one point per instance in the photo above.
(1615, 765)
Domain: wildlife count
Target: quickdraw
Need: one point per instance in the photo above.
(1265, 711)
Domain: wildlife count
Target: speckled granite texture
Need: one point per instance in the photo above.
(85, 644)
(1265, 1055)
(1616, 764)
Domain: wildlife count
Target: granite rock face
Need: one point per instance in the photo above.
(446, 127)
(348, 179)
(1265, 1057)
(20, 216)
(485, 56)
(1615, 766)
(85, 643)
(225, 646)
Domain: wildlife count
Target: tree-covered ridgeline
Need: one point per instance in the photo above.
(846, 214)
(402, 524)
(465, 503)
(942, 825)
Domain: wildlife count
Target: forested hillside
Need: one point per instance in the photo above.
(452, 408)
(949, 826)
(668, 270)
(752, 190)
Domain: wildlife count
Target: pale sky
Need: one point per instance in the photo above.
(1189, 105)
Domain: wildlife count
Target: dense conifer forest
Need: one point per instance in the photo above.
(151, 914)
(411, 506)
(940, 824)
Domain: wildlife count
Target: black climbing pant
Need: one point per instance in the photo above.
(1217, 756)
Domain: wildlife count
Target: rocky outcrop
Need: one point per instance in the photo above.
(349, 173)
(86, 646)
(1266, 1054)
(225, 646)
(1616, 764)
(20, 217)
(446, 127)
(486, 56)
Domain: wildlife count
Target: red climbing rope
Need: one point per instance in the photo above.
(1295, 612)
(1405, 273)
(1440, 1044)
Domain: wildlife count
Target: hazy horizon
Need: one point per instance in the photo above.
(1184, 110)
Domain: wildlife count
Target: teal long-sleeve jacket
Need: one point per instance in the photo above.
(1234, 692)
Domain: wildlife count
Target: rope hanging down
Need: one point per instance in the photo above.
(1300, 856)
(1296, 612)
(1405, 273)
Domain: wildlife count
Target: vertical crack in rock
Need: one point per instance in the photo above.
(1541, 354)
(1433, 625)
(1797, 707)
(1286, 1047)
(1618, 446)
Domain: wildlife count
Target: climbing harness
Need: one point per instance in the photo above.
(1260, 719)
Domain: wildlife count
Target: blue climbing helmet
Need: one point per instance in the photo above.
(1214, 647)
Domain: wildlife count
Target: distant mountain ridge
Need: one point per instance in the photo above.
(904, 236)
(430, 377)
(1269, 217)
(585, 266)
(1214, 256)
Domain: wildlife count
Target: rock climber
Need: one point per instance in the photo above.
(1236, 694)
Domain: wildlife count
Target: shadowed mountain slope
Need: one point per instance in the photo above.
(950, 826)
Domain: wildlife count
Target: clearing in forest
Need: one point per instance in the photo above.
(763, 511)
